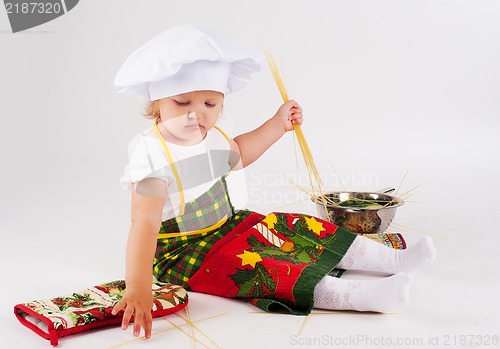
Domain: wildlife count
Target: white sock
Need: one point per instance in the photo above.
(368, 255)
(382, 295)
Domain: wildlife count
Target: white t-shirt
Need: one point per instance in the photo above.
(199, 166)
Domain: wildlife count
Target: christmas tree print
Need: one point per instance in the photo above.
(254, 282)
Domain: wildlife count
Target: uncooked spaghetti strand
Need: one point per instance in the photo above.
(276, 75)
(306, 152)
(409, 191)
(405, 227)
(395, 196)
(338, 177)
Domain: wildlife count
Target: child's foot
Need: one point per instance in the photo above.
(367, 255)
(417, 256)
(385, 295)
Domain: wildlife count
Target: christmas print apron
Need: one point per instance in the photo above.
(274, 261)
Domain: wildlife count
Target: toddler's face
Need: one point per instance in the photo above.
(189, 116)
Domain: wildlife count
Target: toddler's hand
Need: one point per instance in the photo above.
(137, 304)
(289, 113)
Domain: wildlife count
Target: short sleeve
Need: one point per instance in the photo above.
(146, 160)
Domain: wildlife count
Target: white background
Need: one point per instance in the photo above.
(387, 87)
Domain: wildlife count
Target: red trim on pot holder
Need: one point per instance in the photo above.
(52, 334)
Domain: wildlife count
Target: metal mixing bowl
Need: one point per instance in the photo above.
(356, 219)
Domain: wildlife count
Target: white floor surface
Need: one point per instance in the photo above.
(454, 302)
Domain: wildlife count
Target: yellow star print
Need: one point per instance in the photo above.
(314, 225)
(270, 220)
(249, 258)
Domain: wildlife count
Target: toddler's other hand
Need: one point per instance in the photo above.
(139, 305)
(289, 114)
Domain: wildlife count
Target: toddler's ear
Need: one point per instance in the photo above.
(151, 187)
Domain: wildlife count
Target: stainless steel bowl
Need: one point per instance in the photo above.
(356, 219)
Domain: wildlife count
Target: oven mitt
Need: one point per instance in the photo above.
(91, 308)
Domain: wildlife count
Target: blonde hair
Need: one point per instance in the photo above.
(152, 110)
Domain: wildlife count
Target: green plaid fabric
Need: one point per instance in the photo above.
(208, 209)
(177, 258)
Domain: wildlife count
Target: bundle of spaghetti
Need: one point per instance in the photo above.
(304, 148)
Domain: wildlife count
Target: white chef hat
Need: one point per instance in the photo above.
(187, 58)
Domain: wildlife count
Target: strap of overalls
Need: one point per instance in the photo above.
(172, 165)
(174, 169)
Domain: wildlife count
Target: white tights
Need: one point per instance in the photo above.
(383, 295)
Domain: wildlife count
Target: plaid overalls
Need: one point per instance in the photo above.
(273, 261)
